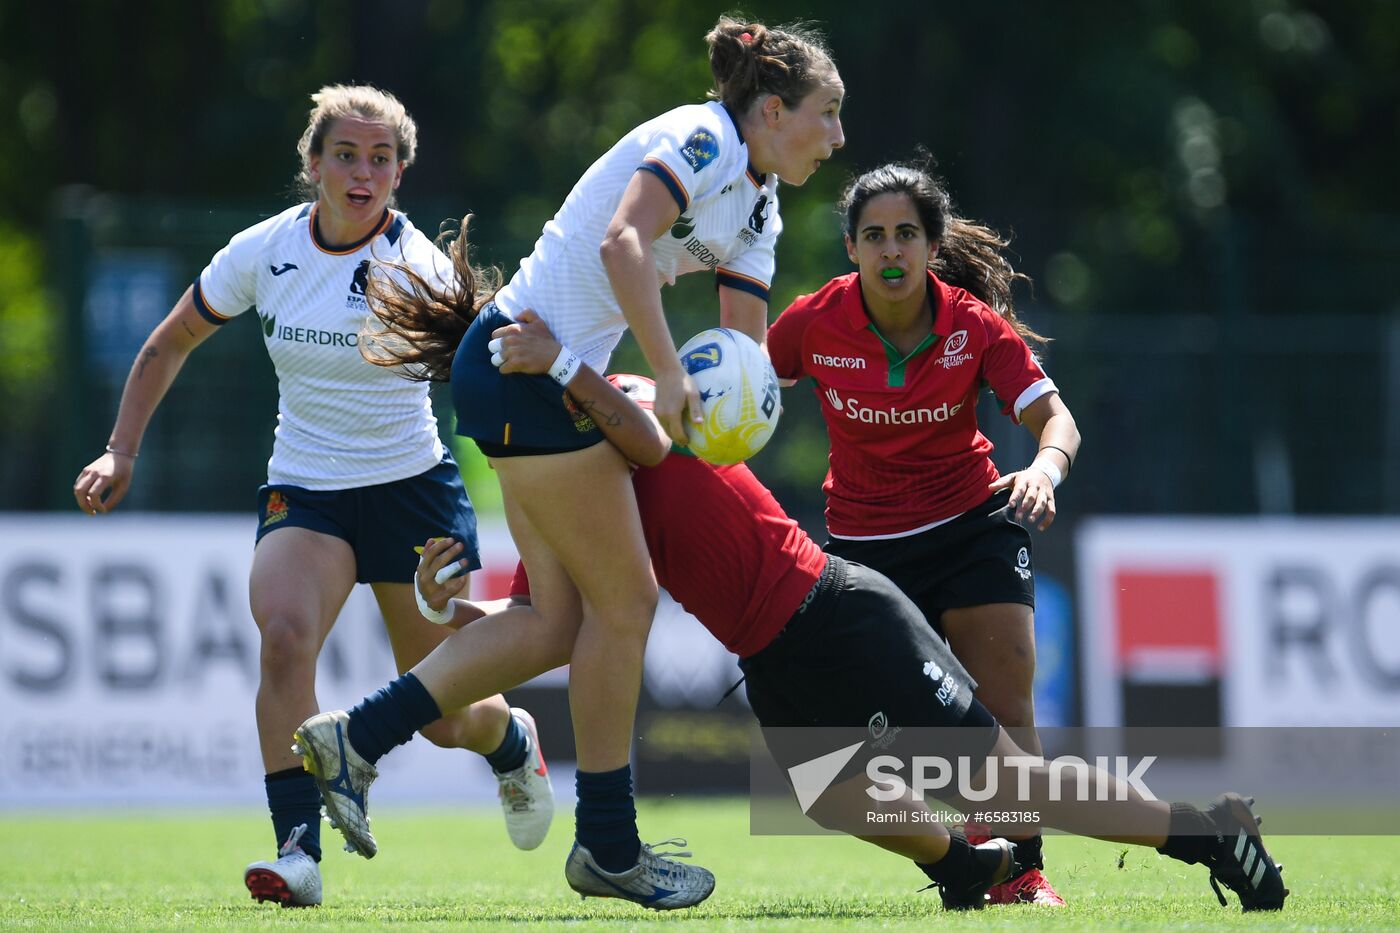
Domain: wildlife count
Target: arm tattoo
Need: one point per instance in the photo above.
(187, 328)
(148, 354)
(611, 419)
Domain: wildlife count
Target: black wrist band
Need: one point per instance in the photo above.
(1068, 459)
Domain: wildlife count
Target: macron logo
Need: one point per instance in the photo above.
(811, 778)
(839, 362)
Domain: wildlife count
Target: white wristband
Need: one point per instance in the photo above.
(428, 612)
(1052, 471)
(566, 366)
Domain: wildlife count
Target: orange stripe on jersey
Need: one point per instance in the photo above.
(741, 282)
(726, 273)
(204, 309)
(353, 247)
(658, 164)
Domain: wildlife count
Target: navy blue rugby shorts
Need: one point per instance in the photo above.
(512, 414)
(381, 523)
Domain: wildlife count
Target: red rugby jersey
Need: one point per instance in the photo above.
(906, 452)
(723, 547)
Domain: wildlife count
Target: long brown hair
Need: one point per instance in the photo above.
(749, 59)
(422, 324)
(970, 255)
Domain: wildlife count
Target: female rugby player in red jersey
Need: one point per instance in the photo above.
(820, 641)
(899, 352)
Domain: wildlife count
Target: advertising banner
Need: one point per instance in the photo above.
(1240, 622)
(129, 665)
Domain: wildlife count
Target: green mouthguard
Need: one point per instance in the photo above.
(892, 274)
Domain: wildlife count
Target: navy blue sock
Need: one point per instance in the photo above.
(293, 799)
(510, 754)
(606, 818)
(389, 716)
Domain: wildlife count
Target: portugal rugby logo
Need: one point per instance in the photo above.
(955, 343)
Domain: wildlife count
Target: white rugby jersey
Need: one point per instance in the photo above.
(729, 223)
(341, 422)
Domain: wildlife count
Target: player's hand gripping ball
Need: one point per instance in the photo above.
(738, 395)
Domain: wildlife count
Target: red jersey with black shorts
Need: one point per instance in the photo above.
(906, 452)
(821, 641)
(720, 544)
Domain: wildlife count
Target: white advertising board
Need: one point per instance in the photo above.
(129, 665)
(1299, 619)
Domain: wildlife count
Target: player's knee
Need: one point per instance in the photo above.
(288, 641)
(627, 618)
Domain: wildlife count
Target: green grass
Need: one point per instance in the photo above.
(455, 869)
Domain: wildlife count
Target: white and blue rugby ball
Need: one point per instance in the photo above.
(738, 395)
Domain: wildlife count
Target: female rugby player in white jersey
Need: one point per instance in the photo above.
(358, 475)
(694, 189)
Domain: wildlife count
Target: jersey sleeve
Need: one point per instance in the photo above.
(692, 155)
(1010, 368)
(228, 286)
(785, 342)
(520, 583)
(752, 270)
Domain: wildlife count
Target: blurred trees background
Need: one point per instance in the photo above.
(1202, 191)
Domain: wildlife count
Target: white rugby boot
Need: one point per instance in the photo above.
(341, 774)
(656, 882)
(294, 880)
(527, 797)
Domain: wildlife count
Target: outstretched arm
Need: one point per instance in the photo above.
(104, 481)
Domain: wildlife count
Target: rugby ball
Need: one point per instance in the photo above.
(738, 395)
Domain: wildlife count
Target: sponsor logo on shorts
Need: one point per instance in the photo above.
(947, 686)
(1023, 564)
(277, 509)
(583, 423)
(882, 734)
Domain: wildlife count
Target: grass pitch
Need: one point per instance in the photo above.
(455, 869)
